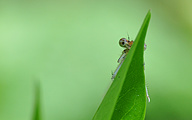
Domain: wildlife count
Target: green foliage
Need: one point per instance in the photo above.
(37, 108)
(126, 98)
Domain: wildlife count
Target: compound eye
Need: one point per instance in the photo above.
(122, 42)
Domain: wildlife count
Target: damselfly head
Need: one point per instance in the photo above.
(123, 42)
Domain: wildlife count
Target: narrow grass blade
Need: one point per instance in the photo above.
(37, 108)
(126, 97)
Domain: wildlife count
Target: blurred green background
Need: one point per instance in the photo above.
(71, 47)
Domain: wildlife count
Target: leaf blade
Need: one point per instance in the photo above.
(37, 107)
(126, 98)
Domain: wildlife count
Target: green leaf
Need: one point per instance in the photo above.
(37, 108)
(126, 97)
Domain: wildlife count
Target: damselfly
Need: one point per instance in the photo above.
(126, 43)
